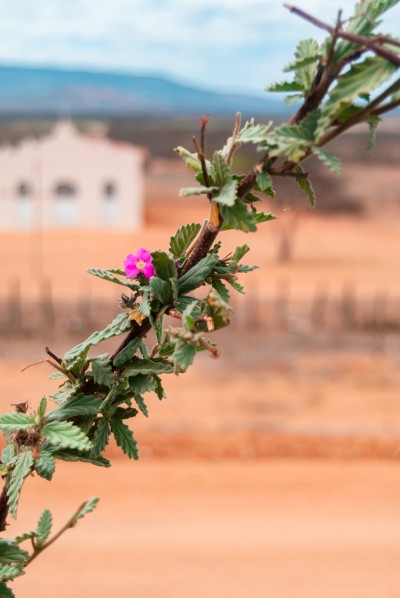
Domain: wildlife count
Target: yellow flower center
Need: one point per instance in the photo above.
(140, 265)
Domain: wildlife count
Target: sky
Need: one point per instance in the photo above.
(235, 46)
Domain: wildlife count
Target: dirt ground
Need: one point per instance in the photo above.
(272, 472)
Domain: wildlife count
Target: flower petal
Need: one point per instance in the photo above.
(148, 271)
(143, 254)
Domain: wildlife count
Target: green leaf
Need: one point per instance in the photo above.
(145, 306)
(328, 159)
(11, 554)
(16, 421)
(62, 434)
(8, 573)
(23, 537)
(264, 183)
(220, 170)
(183, 238)
(87, 507)
(42, 407)
(128, 352)
(8, 454)
(307, 54)
(252, 133)
(67, 392)
(18, 476)
(100, 437)
(191, 160)
(261, 217)
(118, 326)
(124, 438)
(220, 311)
(110, 277)
(184, 354)
(80, 405)
(158, 387)
(239, 252)
(6, 592)
(72, 455)
(148, 366)
(227, 193)
(141, 404)
(292, 141)
(45, 464)
(102, 371)
(141, 383)
(43, 528)
(161, 290)
(197, 275)
(306, 186)
(285, 86)
(164, 266)
(238, 217)
(221, 288)
(300, 63)
(373, 123)
(188, 191)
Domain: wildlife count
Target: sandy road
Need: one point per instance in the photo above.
(220, 529)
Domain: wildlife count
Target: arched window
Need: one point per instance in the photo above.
(24, 189)
(110, 191)
(66, 208)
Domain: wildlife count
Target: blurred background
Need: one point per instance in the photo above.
(272, 471)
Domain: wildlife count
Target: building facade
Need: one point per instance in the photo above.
(71, 180)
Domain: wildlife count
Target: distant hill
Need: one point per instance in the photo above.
(55, 92)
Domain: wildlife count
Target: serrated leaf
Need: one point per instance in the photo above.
(8, 454)
(141, 404)
(307, 54)
(110, 277)
(306, 186)
(164, 266)
(23, 537)
(264, 182)
(6, 592)
(102, 371)
(197, 275)
(300, 63)
(252, 133)
(42, 407)
(158, 387)
(124, 438)
(221, 288)
(100, 437)
(161, 290)
(188, 191)
(148, 366)
(128, 352)
(66, 393)
(84, 457)
(238, 217)
(62, 434)
(11, 553)
(226, 195)
(145, 306)
(118, 326)
(80, 405)
(45, 464)
(219, 309)
(87, 507)
(285, 86)
(43, 528)
(140, 383)
(184, 354)
(16, 421)
(328, 159)
(20, 473)
(220, 170)
(8, 573)
(261, 217)
(183, 238)
(239, 252)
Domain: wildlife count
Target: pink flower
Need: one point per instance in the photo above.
(139, 264)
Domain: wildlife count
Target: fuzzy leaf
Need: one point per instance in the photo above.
(110, 277)
(80, 405)
(87, 507)
(124, 438)
(373, 123)
(252, 133)
(145, 306)
(307, 53)
(227, 193)
(183, 238)
(42, 407)
(118, 326)
(220, 170)
(8, 573)
(18, 476)
(100, 437)
(140, 383)
(102, 371)
(71, 455)
(260, 217)
(197, 275)
(221, 288)
(148, 366)
(264, 183)
(306, 186)
(128, 352)
(8, 454)
(62, 434)
(164, 266)
(6, 592)
(328, 159)
(43, 527)
(16, 421)
(285, 86)
(141, 404)
(188, 191)
(238, 217)
(191, 160)
(45, 464)
(161, 290)
(184, 354)
(11, 554)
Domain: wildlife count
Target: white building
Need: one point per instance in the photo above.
(71, 180)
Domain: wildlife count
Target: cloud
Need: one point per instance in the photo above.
(229, 44)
